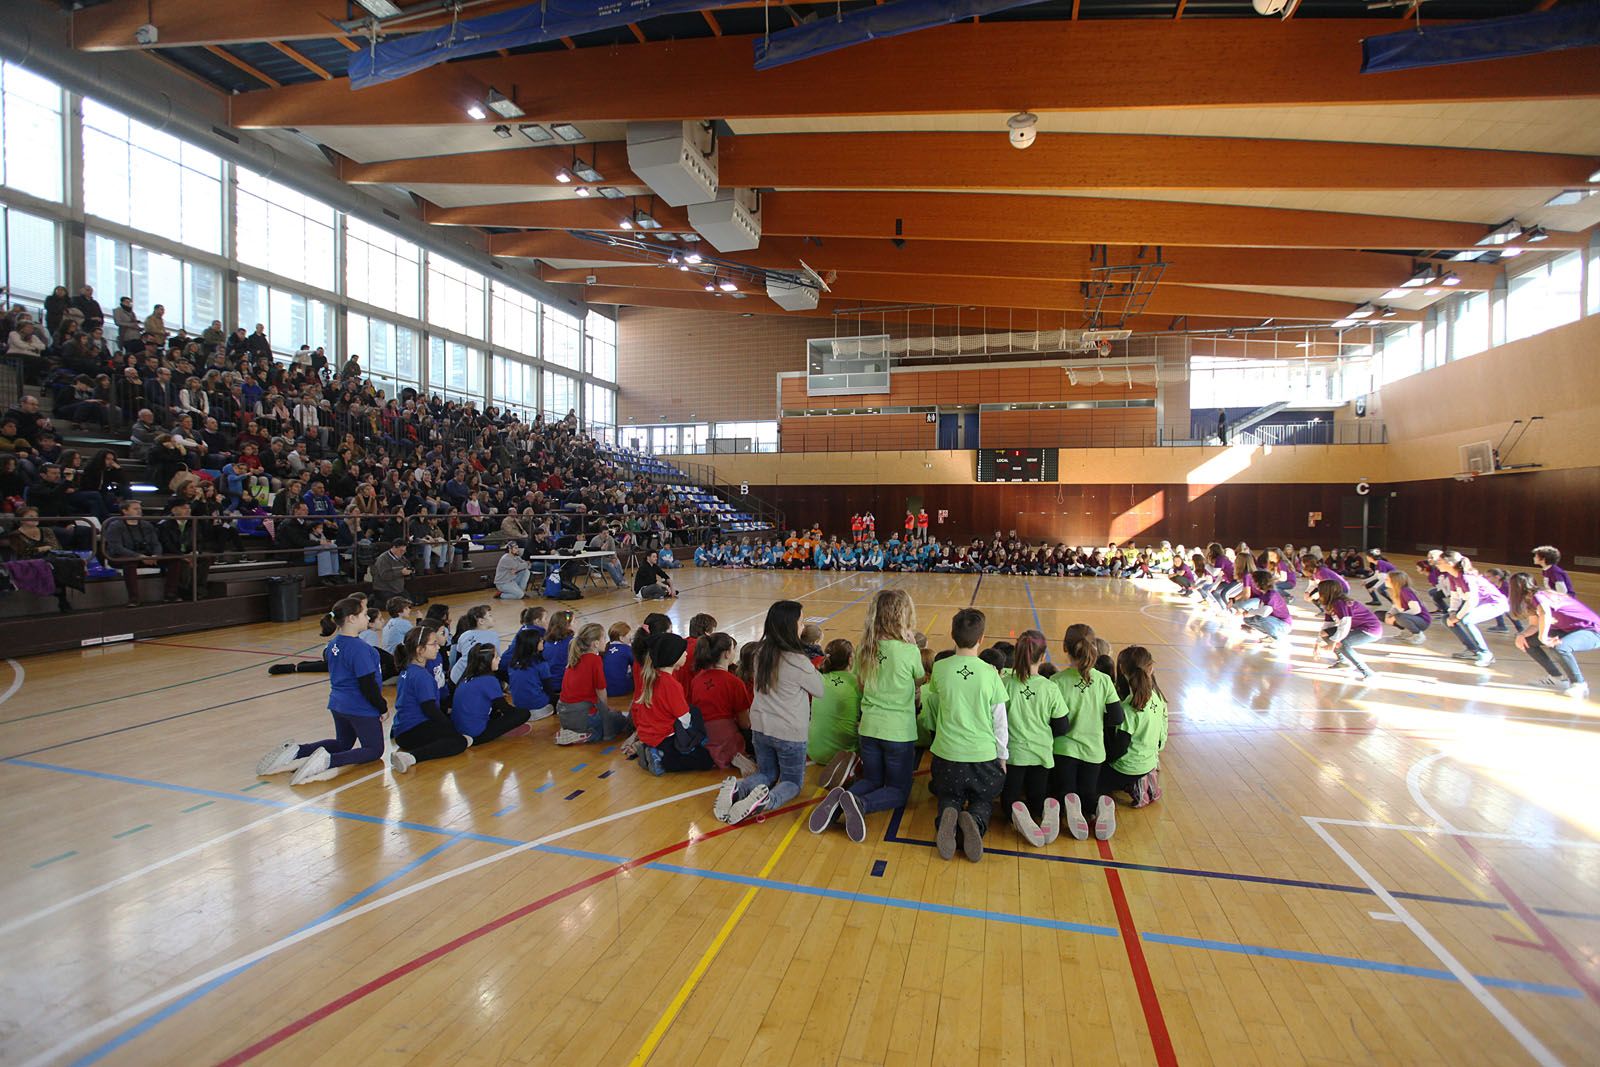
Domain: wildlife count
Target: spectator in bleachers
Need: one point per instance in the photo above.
(126, 321)
(131, 543)
(179, 535)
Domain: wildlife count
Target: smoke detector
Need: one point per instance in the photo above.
(1024, 127)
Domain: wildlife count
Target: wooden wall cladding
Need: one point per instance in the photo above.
(1503, 516)
(996, 385)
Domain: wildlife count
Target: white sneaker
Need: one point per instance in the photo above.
(1413, 639)
(541, 713)
(743, 764)
(1484, 659)
(1077, 825)
(283, 758)
(638, 596)
(724, 802)
(401, 761)
(1026, 827)
(747, 805)
(315, 768)
(1105, 818)
(571, 737)
(1051, 826)
(1578, 690)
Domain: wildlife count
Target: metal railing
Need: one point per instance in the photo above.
(1361, 432)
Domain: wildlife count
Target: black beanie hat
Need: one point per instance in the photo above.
(666, 650)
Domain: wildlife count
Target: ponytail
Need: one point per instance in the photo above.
(1029, 652)
(342, 612)
(1137, 670)
(1081, 655)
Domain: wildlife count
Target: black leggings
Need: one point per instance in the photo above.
(1114, 781)
(503, 716)
(696, 759)
(1071, 775)
(431, 740)
(1028, 784)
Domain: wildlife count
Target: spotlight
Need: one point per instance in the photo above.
(1506, 231)
(382, 9)
(693, 257)
(1365, 311)
(1452, 279)
(586, 172)
(583, 190)
(563, 175)
(610, 192)
(566, 131)
(534, 132)
(1389, 313)
(475, 111)
(503, 105)
(502, 131)
(646, 220)
(672, 260)
(711, 287)
(1535, 234)
(1420, 278)
(727, 285)
(627, 223)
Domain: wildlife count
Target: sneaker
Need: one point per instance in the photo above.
(748, 804)
(1464, 654)
(316, 768)
(283, 758)
(1577, 690)
(1548, 681)
(724, 802)
(1412, 639)
(1050, 827)
(838, 770)
(971, 836)
(946, 836)
(571, 737)
(1484, 659)
(541, 713)
(650, 760)
(1153, 785)
(1077, 825)
(1105, 818)
(855, 820)
(743, 764)
(822, 815)
(401, 761)
(638, 596)
(520, 731)
(1027, 829)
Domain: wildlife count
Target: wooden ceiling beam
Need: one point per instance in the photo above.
(235, 61)
(593, 213)
(110, 26)
(508, 166)
(1065, 161)
(1093, 65)
(313, 67)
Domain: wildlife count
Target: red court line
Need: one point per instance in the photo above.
(1547, 940)
(220, 648)
(311, 1018)
(1166, 1056)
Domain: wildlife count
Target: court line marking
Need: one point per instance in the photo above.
(1520, 839)
(150, 1023)
(160, 999)
(657, 1032)
(1513, 1026)
(89, 894)
(416, 963)
(1149, 999)
(1414, 786)
(16, 681)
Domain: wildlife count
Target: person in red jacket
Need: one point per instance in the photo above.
(699, 626)
(856, 526)
(661, 707)
(721, 697)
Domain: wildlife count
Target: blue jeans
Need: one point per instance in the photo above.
(1270, 625)
(1346, 649)
(780, 766)
(886, 769)
(1564, 655)
(327, 560)
(1413, 624)
(1466, 627)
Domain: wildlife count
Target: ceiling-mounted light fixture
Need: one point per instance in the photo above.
(1595, 177)
(380, 9)
(1535, 234)
(610, 192)
(1389, 312)
(583, 190)
(646, 221)
(1365, 311)
(1451, 279)
(693, 257)
(672, 260)
(534, 132)
(1509, 230)
(502, 131)
(586, 171)
(627, 222)
(727, 285)
(1568, 197)
(566, 131)
(563, 176)
(1423, 276)
(503, 105)
(476, 112)
(711, 286)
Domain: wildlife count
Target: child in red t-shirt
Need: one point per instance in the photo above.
(660, 707)
(721, 697)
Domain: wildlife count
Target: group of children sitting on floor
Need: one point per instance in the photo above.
(1001, 723)
(810, 550)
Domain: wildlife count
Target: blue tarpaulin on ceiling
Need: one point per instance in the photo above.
(407, 54)
(1572, 26)
(833, 32)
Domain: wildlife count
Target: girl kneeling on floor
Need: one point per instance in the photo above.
(481, 709)
(670, 737)
(355, 698)
(528, 675)
(721, 697)
(1035, 711)
(422, 729)
(833, 739)
(585, 716)
(1144, 724)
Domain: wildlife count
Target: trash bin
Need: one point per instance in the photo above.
(283, 598)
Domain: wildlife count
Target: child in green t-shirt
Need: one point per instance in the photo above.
(1135, 769)
(1092, 707)
(964, 704)
(1035, 710)
(889, 666)
(833, 740)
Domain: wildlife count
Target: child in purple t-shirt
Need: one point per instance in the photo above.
(1354, 625)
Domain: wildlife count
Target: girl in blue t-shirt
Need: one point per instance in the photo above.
(421, 726)
(355, 698)
(556, 641)
(527, 674)
(481, 710)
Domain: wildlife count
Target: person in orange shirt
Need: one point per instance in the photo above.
(922, 524)
(856, 526)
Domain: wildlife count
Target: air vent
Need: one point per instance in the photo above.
(224, 134)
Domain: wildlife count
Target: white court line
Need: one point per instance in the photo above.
(17, 924)
(156, 1000)
(762, 613)
(1414, 785)
(1512, 1024)
(1521, 839)
(16, 682)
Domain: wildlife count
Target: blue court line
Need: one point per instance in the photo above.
(1037, 625)
(130, 833)
(892, 836)
(579, 767)
(256, 785)
(502, 811)
(197, 807)
(608, 750)
(975, 589)
(178, 1005)
(545, 787)
(878, 867)
(54, 859)
(1354, 963)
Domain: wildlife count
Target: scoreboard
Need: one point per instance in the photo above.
(1017, 464)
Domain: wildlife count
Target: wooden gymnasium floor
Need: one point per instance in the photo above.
(1405, 873)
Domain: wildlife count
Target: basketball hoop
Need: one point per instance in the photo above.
(1466, 476)
(1104, 348)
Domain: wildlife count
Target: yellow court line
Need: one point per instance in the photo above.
(681, 997)
(1424, 845)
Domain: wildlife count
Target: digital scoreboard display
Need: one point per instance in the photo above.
(1017, 465)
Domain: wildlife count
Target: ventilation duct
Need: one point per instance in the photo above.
(667, 158)
(798, 292)
(1573, 26)
(1014, 343)
(829, 34)
(727, 223)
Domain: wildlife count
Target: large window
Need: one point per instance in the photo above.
(1401, 349)
(381, 269)
(516, 386)
(515, 318)
(32, 262)
(455, 297)
(560, 340)
(285, 232)
(601, 351)
(136, 175)
(745, 436)
(390, 354)
(599, 406)
(560, 395)
(31, 134)
(455, 370)
(1229, 382)
(1545, 297)
(1469, 325)
(189, 293)
(292, 319)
